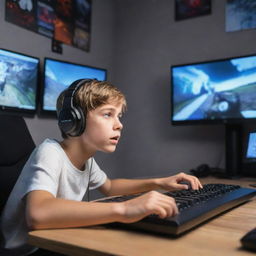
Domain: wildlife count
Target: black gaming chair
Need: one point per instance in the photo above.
(16, 144)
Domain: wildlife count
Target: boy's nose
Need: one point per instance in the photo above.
(118, 125)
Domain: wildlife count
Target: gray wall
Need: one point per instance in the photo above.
(137, 41)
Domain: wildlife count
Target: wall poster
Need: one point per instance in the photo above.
(66, 21)
(185, 9)
(240, 15)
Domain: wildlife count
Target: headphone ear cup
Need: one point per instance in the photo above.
(80, 122)
(66, 120)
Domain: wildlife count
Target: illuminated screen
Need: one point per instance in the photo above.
(58, 75)
(251, 148)
(216, 91)
(18, 82)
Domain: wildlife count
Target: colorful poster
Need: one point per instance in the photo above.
(185, 9)
(81, 37)
(65, 10)
(63, 31)
(66, 21)
(45, 18)
(83, 14)
(22, 13)
(240, 15)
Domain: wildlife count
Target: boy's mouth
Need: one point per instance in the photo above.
(115, 138)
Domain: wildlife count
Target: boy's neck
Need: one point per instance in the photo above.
(76, 153)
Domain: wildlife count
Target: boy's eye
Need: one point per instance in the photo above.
(107, 114)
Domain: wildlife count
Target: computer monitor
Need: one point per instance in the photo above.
(249, 151)
(18, 82)
(251, 147)
(216, 92)
(58, 75)
(221, 91)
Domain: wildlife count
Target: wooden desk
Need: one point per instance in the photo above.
(220, 236)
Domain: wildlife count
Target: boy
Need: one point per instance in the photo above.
(50, 192)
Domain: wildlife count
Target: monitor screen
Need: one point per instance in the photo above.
(251, 146)
(222, 91)
(18, 82)
(249, 152)
(58, 75)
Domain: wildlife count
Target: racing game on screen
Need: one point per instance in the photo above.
(218, 90)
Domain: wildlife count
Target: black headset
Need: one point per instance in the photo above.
(71, 118)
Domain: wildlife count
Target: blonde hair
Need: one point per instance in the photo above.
(97, 93)
(93, 94)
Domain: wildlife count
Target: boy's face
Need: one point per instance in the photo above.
(103, 128)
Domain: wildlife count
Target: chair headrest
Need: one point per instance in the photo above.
(15, 140)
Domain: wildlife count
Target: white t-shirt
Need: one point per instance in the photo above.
(49, 169)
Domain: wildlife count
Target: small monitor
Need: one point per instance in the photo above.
(220, 91)
(58, 75)
(251, 147)
(249, 153)
(18, 82)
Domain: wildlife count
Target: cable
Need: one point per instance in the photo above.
(88, 186)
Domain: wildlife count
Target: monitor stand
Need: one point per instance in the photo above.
(233, 147)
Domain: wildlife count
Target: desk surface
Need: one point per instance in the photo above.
(220, 236)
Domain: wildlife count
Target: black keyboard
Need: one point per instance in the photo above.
(195, 207)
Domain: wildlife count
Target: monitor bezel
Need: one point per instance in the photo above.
(23, 111)
(205, 121)
(52, 113)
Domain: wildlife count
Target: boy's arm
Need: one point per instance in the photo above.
(44, 211)
(131, 186)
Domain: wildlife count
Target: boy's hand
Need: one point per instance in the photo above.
(150, 203)
(173, 182)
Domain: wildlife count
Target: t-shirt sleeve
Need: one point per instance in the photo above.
(45, 167)
(97, 177)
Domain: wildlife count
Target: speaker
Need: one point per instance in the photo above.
(71, 118)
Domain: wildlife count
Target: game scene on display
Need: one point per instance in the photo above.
(217, 90)
(58, 75)
(18, 80)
